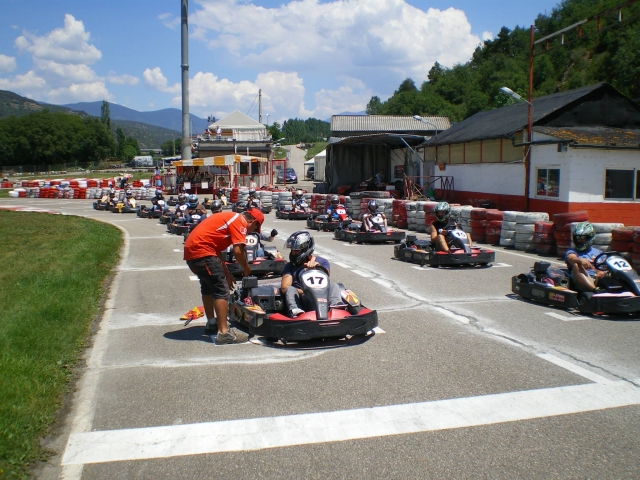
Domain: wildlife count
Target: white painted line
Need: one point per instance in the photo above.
(583, 372)
(384, 283)
(532, 257)
(450, 314)
(307, 429)
(177, 250)
(418, 267)
(378, 330)
(193, 278)
(350, 244)
(343, 265)
(362, 274)
(565, 318)
(152, 269)
(500, 265)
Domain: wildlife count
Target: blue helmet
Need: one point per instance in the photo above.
(192, 200)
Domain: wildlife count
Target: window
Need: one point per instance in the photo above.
(621, 184)
(548, 184)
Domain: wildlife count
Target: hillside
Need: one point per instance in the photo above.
(147, 135)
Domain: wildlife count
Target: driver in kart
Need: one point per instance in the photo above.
(156, 199)
(443, 223)
(368, 225)
(579, 259)
(221, 196)
(265, 237)
(331, 209)
(299, 202)
(129, 200)
(194, 208)
(301, 257)
(253, 200)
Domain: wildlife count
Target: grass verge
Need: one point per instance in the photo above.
(53, 273)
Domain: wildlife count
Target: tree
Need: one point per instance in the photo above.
(105, 115)
(120, 141)
(374, 107)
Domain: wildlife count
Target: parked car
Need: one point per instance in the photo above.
(310, 172)
(291, 176)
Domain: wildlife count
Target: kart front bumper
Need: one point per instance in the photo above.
(369, 237)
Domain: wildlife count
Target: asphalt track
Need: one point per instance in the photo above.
(461, 380)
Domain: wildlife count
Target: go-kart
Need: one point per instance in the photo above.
(619, 289)
(294, 212)
(262, 309)
(331, 221)
(155, 211)
(423, 252)
(122, 206)
(379, 233)
(270, 264)
(168, 216)
(102, 205)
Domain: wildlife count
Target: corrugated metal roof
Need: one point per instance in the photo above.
(236, 119)
(386, 123)
(594, 135)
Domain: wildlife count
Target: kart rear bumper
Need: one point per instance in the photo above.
(369, 237)
(428, 257)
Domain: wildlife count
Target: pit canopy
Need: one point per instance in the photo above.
(225, 160)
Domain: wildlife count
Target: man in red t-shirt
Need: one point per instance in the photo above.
(204, 250)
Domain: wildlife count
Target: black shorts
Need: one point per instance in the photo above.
(213, 281)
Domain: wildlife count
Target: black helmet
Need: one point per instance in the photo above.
(302, 242)
(193, 200)
(220, 192)
(182, 199)
(299, 194)
(252, 192)
(583, 236)
(372, 206)
(335, 200)
(129, 193)
(442, 211)
(158, 192)
(216, 205)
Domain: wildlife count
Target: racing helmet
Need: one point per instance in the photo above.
(335, 200)
(129, 193)
(112, 192)
(442, 211)
(158, 192)
(299, 194)
(216, 205)
(252, 192)
(583, 236)
(220, 192)
(372, 206)
(182, 199)
(303, 244)
(192, 200)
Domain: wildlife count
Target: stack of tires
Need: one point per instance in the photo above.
(233, 195)
(429, 214)
(385, 205)
(265, 198)
(399, 214)
(508, 228)
(562, 229)
(635, 255)
(478, 224)
(348, 206)
(464, 218)
(622, 240)
(412, 209)
(355, 205)
(284, 199)
(604, 236)
(544, 238)
(525, 229)
(493, 226)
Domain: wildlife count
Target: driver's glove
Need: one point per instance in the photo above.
(274, 233)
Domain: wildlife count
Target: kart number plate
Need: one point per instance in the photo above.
(161, 203)
(195, 217)
(182, 208)
(314, 279)
(341, 211)
(619, 264)
(459, 234)
(252, 240)
(377, 219)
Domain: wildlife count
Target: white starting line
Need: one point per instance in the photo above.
(567, 318)
(306, 429)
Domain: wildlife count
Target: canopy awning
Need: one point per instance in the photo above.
(218, 161)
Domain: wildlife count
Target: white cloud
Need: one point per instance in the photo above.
(352, 37)
(487, 35)
(7, 64)
(86, 92)
(29, 85)
(122, 79)
(68, 73)
(154, 78)
(69, 44)
(169, 20)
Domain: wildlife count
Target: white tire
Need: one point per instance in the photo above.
(508, 234)
(507, 242)
(508, 225)
(509, 216)
(525, 246)
(532, 217)
(524, 238)
(604, 248)
(605, 227)
(525, 227)
(602, 239)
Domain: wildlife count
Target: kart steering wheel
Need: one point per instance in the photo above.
(598, 262)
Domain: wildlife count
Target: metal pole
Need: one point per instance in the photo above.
(186, 141)
(527, 160)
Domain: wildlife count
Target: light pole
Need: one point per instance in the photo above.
(420, 119)
(527, 158)
(267, 119)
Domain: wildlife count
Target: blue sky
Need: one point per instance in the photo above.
(311, 58)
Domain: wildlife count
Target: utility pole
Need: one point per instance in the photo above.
(260, 105)
(186, 141)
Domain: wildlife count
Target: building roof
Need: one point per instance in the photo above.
(391, 140)
(236, 119)
(614, 137)
(594, 106)
(386, 123)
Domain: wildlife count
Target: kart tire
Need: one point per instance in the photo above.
(508, 225)
(524, 238)
(543, 227)
(545, 249)
(478, 214)
(493, 239)
(532, 217)
(494, 215)
(508, 234)
(544, 238)
(569, 217)
(494, 224)
(602, 239)
(525, 227)
(478, 224)
(622, 234)
(562, 227)
(510, 216)
(559, 236)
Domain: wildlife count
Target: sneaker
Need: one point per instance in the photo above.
(296, 311)
(232, 336)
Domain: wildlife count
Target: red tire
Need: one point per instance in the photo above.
(621, 246)
(429, 219)
(635, 247)
(544, 238)
(635, 257)
(478, 232)
(429, 207)
(493, 215)
(568, 217)
(494, 223)
(562, 227)
(478, 238)
(563, 244)
(546, 249)
(492, 231)
(564, 237)
(478, 223)
(493, 239)
(543, 227)
(624, 234)
(478, 214)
